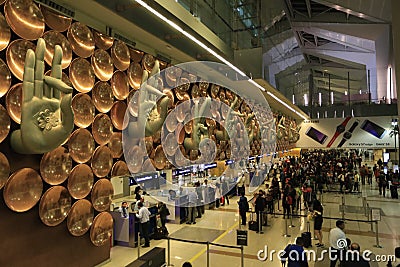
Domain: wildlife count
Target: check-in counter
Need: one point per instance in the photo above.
(126, 230)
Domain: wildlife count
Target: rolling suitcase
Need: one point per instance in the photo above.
(307, 237)
(393, 192)
(252, 224)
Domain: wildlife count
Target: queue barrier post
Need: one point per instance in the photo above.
(242, 255)
(377, 235)
(260, 223)
(286, 228)
(169, 252)
(138, 246)
(208, 254)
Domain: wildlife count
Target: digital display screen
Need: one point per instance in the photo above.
(373, 129)
(316, 135)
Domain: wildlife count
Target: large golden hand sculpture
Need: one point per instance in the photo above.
(223, 135)
(150, 117)
(47, 118)
(199, 129)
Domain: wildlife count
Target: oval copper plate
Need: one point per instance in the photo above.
(135, 73)
(195, 91)
(4, 170)
(80, 217)
(23, 190)
(171, 122)
(120, 55)
(148, 62)
(103, 97)
(102, 41)
(102, 65)
(117, 114)
(102, 193)
(180, 158)
(182, 109)
(120, 85)
(5, 33)
(188, 124)
(102, 129)
(14, 102)
(24, 18)
(53, 38)
(180, 133)
(55, 166)
(170, 144)
(4, 123)
(171, 75)
(136, 55)
(159, 158)
(55, 205)
(148, 166)
(102, 229)
(81, 39)
(120, 169)
(135, 157)
(81, 145)
(115, 145)
(102, 161)
(170, 95)
(214, 90)
(80, 181)
(84, 110)
(54, 20)
(81, 74)
(15, 56)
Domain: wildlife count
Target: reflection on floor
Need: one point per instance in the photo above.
(219, 226)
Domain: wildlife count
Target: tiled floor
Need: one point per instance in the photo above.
(220, 227)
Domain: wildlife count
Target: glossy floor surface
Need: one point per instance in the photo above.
(220, 225)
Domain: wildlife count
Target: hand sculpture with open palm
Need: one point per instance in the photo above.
(230, 122)
(47, 118)
(150, 118)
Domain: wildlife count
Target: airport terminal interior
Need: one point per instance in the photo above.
(199, 133)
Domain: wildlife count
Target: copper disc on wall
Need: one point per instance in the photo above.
(159, 158)
(5, 78)
(171, 122)
(4, 170)
(134, 159)
(102, 161)
(81, 145)
(148, 166)
(81, 39)
(120, 169)
(170, 95)
(80, 217)
(120, 55)
(4, 124)
(103, 97)
(148, 62)
(102, 41)
(14, 102)
(135, 73)
(24, 18)
(53, 38)
(81, 74)
(80, 181)
(170, 144)
(136, 55)
(117, 114)
(5, 33)
(84, 110)
(102, 229)
(15, 56)
(171, 75)
(55, 166)
(55, 205)
(102, 193)
(102, 128)
(54, 20)
(180, 133)
(120, 85)
(23, 190)
(115, 145)
(102, 65)
(180, 159)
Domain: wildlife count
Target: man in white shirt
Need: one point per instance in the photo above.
(124, 210)
(338, 243)
(356, 181)
(136, 208)
(144, 217)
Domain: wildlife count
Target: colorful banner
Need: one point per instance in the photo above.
(349, 132)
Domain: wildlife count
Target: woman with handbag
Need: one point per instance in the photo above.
(318, 220)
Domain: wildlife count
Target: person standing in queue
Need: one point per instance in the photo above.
(243, 207)
(144, 216)
(338, 243)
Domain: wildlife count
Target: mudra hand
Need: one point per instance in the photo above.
(199, 129)
(148, 96)
(47, 119)
(230, 122)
